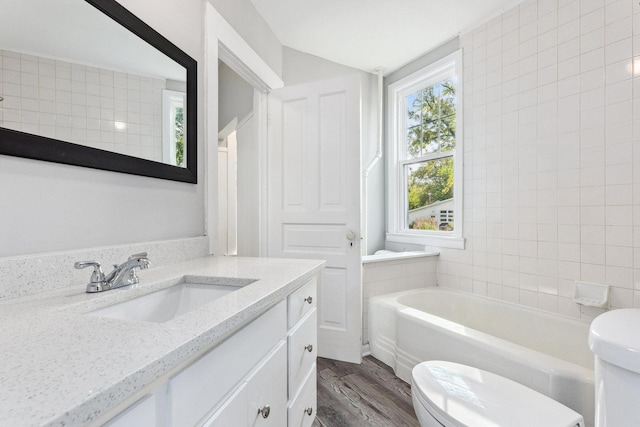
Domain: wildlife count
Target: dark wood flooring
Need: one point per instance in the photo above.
(362, 395)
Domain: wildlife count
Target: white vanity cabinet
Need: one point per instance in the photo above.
(262, 375)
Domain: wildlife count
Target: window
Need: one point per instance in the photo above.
(425, 156)
(173, 135)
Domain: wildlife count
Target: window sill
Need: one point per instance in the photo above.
(436, 241)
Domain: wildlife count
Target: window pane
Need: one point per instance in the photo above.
(430, 132)
(414, 102)
(430, 195)
(430, 103)
(434, 109)
(447, 117)
(414, 142)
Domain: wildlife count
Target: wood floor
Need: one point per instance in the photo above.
(362, 395)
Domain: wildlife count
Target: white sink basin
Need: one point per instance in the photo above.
(167, 304)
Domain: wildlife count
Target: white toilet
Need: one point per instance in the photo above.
(453, 395)
(615, 342)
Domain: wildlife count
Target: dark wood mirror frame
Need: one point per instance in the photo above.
(21, 144)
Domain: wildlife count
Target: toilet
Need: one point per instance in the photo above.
(615, 343)
(453, 395)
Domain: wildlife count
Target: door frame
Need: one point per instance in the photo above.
(223, 42)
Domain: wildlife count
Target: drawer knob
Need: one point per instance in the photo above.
(309, 299)
(265, 411)
(309, 411)
(309, 348)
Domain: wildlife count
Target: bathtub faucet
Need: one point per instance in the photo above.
(122, 275)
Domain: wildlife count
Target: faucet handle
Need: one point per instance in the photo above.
(98, 274)
(140, 255)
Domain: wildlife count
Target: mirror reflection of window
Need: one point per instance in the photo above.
(173, 134)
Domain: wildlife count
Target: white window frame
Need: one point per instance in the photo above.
(397, 228)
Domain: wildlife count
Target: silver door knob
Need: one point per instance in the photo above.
(350, 235)
(264, 411)
(309, 411)
(308, 299)
(309, 348)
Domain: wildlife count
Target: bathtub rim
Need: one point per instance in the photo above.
(397, 256)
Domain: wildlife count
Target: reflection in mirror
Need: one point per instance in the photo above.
(70, 73)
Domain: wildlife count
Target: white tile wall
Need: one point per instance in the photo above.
(385, 277)
(552, 155)
(76, 103)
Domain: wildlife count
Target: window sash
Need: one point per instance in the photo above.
(404, 191)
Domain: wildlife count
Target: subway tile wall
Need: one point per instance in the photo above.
(385, 277)
(551, 155)
(85, 105)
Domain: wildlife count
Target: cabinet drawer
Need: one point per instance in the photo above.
(301, 339)
(197, 389)
(302, 410)
(301, 302)
(268, 386)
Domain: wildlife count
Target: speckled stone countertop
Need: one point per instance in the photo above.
(60, 366)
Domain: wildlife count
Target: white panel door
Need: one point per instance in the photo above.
(314, 200)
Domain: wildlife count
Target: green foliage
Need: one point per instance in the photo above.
(424, 224)
(179, 136)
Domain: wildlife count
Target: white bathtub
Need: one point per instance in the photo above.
(545, 352)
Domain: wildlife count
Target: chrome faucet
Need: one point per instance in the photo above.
(122, 275)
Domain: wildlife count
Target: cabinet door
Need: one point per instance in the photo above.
(267, 391)
(233, 411)
(141, 414)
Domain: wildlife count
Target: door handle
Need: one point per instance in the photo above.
(351, 236)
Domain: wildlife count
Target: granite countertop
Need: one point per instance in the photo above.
(60, 366)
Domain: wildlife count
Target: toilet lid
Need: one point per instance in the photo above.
(459, 395)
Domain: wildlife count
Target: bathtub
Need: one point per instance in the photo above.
(543, 351)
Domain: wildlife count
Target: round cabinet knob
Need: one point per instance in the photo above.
(309, 348)
(309, 411)
(308, 299)
(265, 411)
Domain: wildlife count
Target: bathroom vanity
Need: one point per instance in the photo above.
(247, 357)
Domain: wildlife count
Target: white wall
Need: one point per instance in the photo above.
(50, 207)
(245, 19)
(235, 96)
(552, 165)
(248, 187)
(298, 68)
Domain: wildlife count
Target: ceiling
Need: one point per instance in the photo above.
(367, 34)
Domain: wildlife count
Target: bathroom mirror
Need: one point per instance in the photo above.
(87, 83)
